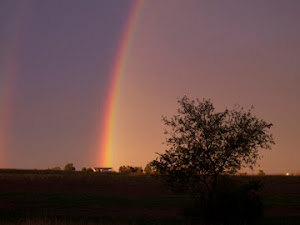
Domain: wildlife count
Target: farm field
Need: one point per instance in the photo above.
(60, 197)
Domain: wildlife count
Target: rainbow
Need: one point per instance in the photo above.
(108, 125)
(8, 74)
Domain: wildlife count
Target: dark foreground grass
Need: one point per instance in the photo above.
(281, 196)
(58, 221)
(76, 198)
(35, 197)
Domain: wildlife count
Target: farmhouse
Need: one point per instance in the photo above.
(103, 169)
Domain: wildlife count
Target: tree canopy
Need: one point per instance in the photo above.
(203, 143)
(130, 169)
(69, 167)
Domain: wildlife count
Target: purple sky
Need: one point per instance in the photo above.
(62, 52)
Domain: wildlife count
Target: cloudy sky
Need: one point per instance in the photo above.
(57, 58)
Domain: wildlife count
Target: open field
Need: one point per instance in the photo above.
(59, 197)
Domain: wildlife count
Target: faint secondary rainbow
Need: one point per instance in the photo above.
(108, 122)
(8, 74)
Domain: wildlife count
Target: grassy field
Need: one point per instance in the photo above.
(62, 198)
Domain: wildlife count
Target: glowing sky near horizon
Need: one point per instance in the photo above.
(62, 54)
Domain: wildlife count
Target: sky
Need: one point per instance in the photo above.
(57, 63)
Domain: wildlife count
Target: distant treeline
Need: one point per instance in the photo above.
(69, 167)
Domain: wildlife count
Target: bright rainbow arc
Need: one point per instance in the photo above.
(109, 121)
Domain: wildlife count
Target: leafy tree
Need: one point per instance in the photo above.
(124, 169)
(148, 169)
(69, 167)
(89, 170)
(138, 169)
(204, 144)
(130, 169)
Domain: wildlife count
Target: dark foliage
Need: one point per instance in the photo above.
(69, 167)
(234, 202)
(149, 169)
(204, 144)
(130, 169)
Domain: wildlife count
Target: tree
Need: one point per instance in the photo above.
(204, 144)
(130, 169)
(69, 167)
(124, 169)
(148, 169)
(89, 170)
(261, 173)
(138, 169)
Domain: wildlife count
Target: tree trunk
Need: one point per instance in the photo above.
(212, 190)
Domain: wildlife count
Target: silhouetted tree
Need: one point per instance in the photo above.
(89, 170)
(138, 169)
(130, 169)
(148, 169)
(204, 144)
(123, 169)
(69, 167)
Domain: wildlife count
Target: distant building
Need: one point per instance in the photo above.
(103, 169)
